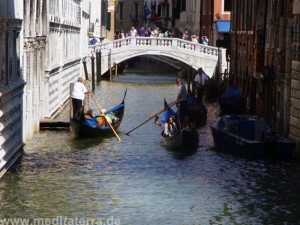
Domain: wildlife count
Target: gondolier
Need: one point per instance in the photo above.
(101, 125)
(77, 95)
(200, 81)
(181, 98)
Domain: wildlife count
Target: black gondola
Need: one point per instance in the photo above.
(183, 138)
(98, 126)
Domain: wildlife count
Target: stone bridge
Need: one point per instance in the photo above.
(193, 54)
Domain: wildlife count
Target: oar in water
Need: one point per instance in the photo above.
(151, 117)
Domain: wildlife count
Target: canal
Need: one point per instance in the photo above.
(138, 181)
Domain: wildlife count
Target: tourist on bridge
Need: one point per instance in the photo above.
(142, 32)
(133, 32)
(204, 40)
(121, 34)
(185, 35)
(77, 95)
(195, 38)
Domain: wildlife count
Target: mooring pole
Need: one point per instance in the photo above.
(99, 67)
(97, 64)
(85, 69)
(93, 72)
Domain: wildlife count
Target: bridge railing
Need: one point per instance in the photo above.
(174, 43)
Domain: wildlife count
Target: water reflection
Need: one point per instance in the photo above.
(139, 181)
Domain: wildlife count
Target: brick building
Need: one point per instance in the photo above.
(261, 62)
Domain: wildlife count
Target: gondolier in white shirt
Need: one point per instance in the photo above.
(181, 99)
(77, 95)
(200, 80)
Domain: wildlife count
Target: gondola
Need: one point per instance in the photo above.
(98, 126)
(183, 139)
(250, 136)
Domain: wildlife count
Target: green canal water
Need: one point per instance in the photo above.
(61, 180)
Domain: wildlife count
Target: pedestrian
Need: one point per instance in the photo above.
(181, 101)
(194, 38)
(93, 41)
(148, 32)
(77, 95)
(185, 35)
(200, 80)
(133, 32)
(142, 32)
(166, 33)
(204, 40)
(121, 34)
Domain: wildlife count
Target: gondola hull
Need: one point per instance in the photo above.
(249, 136)
(183, 139)
(89, 127)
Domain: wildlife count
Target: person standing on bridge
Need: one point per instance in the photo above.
(204, 40)
(77, 95)
(142, 32)
(133, 32)
(181, 99)
(185, 36)
(121, 34)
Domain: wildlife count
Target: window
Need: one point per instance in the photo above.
(121, 10)
(227, 5)
(104, 10)
(136, 10)
(183, 6)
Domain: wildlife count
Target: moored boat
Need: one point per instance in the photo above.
(231, 101)
(98, 126)
(249, 135)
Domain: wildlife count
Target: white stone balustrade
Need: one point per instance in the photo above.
(194, 54)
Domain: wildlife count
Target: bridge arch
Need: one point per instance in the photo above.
(193, 54)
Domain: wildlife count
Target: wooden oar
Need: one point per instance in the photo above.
(161, 108)
(151, 117)
(105, 116)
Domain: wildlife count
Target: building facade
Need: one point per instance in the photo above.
(44, 45)
(51, 59)
(261, 61)
(128, 14)
(11, 83)
(295, 77)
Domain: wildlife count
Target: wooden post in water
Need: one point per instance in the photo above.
(116, 70)
(93, 72)
(85, 69)
(71, 105)
(189, 78)
(99, 67)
